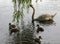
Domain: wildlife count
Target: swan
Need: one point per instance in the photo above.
(43, 17)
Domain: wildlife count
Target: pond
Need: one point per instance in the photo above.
(51, 34)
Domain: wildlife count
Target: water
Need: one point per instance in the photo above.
(51, 35)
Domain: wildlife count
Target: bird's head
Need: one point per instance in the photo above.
(31, 5)
(9, 23)
(40, 37)
(37, 25)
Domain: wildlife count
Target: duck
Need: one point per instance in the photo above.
(39, 29)
(12, 28)
(37, 40)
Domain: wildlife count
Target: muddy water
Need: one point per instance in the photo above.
(51, 34)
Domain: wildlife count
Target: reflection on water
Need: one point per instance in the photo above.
(25, 37)
(47, 23)
(51, 34)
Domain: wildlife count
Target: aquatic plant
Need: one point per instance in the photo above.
(19, 6)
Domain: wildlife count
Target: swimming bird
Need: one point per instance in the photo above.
(37, 40)
(12, 28)
(43, 17)
(39, 29)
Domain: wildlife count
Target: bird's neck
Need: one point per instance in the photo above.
(33, 12)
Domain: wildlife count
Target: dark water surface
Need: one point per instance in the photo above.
(51, 34)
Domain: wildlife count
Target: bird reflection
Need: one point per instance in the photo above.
(50, 22)
(38, 40)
